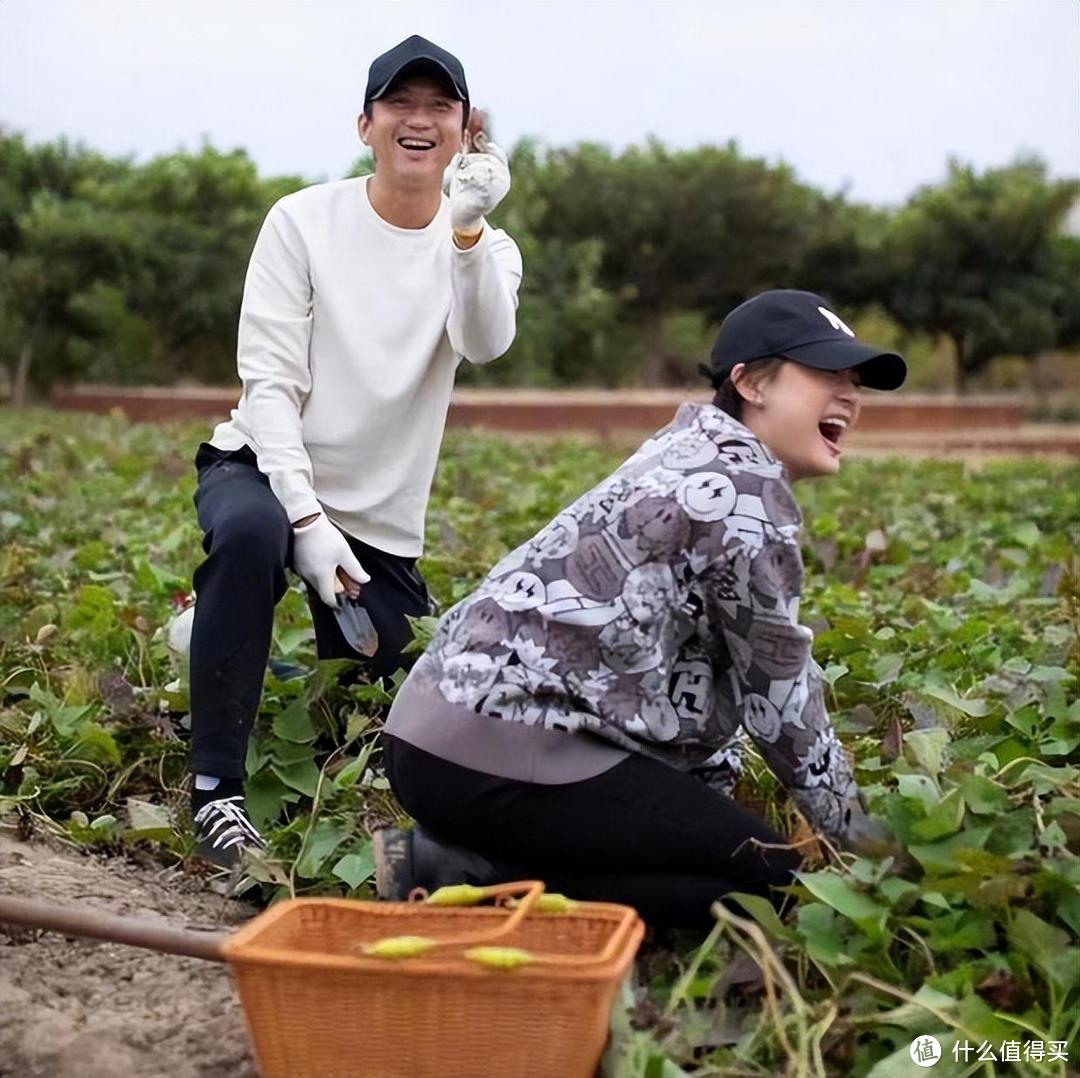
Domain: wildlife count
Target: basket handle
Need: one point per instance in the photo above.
(616, 942)
(530, 890)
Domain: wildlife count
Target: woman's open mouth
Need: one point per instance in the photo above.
(832, 429)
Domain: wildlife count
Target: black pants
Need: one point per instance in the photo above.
(642, 833)
(248, 545)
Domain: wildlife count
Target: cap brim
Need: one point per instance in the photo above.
(878, 369)
(419, 61)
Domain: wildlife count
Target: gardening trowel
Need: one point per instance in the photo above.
(355, 624)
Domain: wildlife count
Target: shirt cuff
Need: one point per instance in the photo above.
(465, 252)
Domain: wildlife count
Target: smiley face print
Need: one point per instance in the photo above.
(555, 541)
(706, 496)
(520, 591)
(685, 454)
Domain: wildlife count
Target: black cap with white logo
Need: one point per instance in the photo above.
(417, 53)
(799, 326)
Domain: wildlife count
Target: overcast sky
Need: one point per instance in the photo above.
(873, 95)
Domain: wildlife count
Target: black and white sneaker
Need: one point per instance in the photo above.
(223, 831)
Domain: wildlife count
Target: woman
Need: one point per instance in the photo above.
(578, 717)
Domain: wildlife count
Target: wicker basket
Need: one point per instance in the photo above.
(318, 1006)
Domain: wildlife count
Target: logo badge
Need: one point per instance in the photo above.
(835, 321)
(925, 1051)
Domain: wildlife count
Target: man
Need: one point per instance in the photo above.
(361, 298)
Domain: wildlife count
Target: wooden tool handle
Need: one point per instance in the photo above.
(105, 926)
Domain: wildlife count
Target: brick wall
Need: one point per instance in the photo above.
(599, 411)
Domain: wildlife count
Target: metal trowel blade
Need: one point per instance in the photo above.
(355, 624)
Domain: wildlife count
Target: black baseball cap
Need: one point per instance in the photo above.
(418, 52)
(799, 326)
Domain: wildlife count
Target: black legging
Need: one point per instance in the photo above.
(641, 833)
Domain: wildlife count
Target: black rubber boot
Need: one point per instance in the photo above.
(408, 859)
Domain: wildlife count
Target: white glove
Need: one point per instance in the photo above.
(318, 550)
(476, 182)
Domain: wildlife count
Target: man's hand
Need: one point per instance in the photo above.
(477, 183)
(319, 551)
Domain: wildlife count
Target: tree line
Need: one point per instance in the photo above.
(116, 271)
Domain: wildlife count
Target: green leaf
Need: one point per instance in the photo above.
(1027, 534)
(146, 816)
(896, 890)
(1013, 833)
(325, 837)
(915, 1018)
(153, 578)
(1046, 947)
(1050, 675)
(289, 641)
(920, 788)
(294, 723)
(929, 748)
(935, 898)
(258, 754)
(356, 868)
(823, 943)
(302, 776)
(943, 819)
(94, 742)
(265, 795)
(982, 796)
(290, 752)
(356, 725)
(1047, 780)
(764, 912)
(968, 930)
(353, 771)
(998, 891)
(1068, 909)
(940, 857)
(834, 891)
(326, 676)
(833, 673)
(887, 670)
(900, 1064)
(975, 708)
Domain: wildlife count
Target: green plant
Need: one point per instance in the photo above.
(946, 610)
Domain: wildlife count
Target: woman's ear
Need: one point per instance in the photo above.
(744, 384)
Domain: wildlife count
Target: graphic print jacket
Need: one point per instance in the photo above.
(660, 612)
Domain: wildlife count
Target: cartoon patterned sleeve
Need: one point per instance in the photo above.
(775, 687)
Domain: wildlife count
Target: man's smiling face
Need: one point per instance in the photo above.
(414, 130)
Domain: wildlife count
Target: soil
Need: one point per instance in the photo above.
(72, 1008)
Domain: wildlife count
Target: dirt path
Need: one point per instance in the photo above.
(83, 1009)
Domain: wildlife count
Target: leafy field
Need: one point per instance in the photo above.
(946, 611)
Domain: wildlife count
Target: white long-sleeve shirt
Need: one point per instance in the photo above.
(351, 330)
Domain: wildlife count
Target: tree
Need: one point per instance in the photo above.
(700, 229)
(36, 184)
(973, 259)
(568, 323)
(196, 215)
(1066, 276)
(68, 249)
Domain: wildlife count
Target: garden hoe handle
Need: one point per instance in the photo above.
(106, 926)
